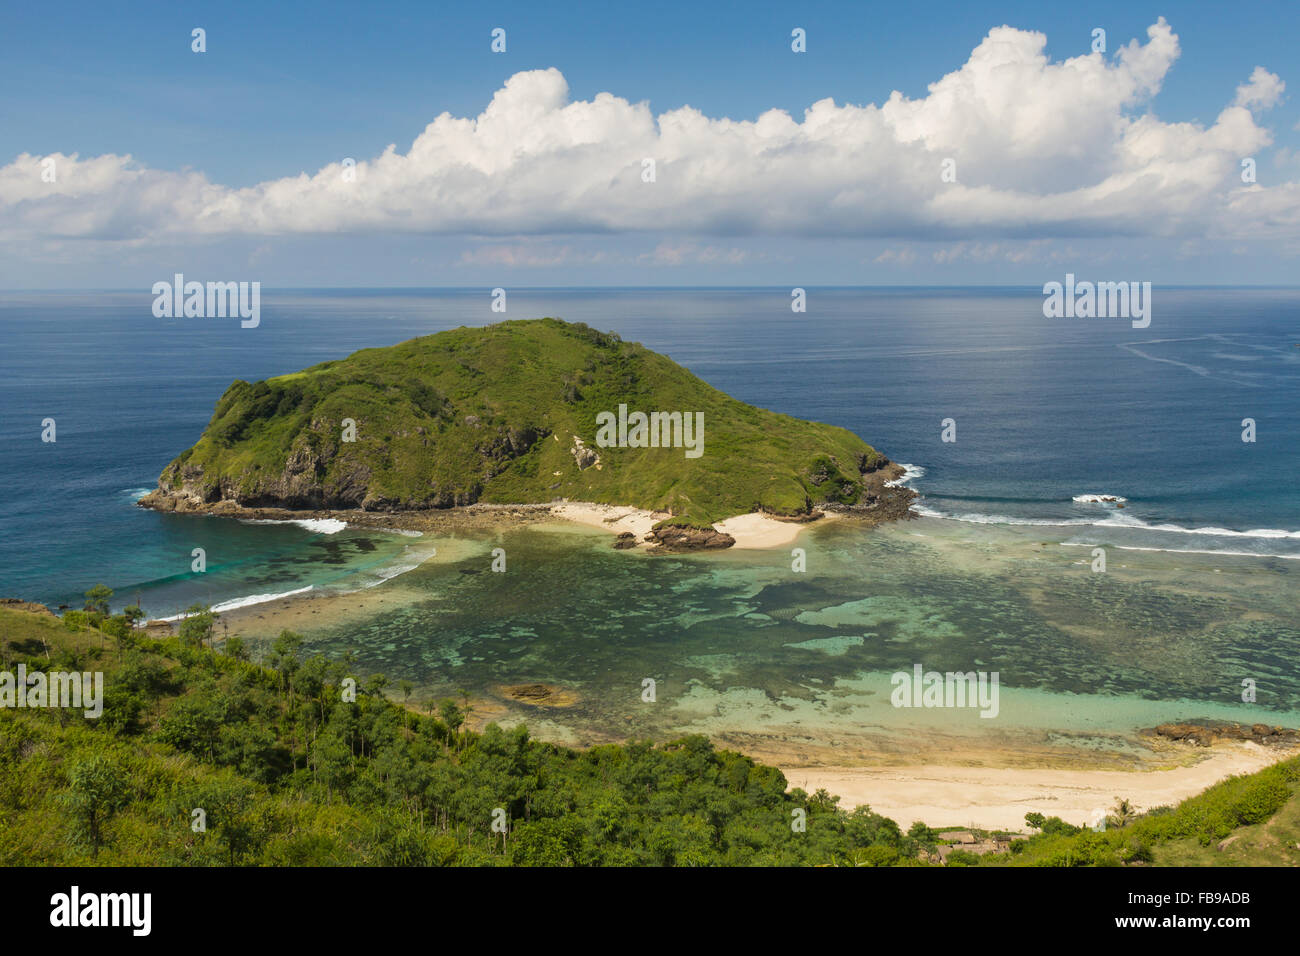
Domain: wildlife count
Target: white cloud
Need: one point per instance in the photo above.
(899, 257)
(1261, 91)
(1018, 253)
(528, 255)
(1041, 150)
(683, 253)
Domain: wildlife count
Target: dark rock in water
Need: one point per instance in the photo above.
(540, 695)
(1202, 733)
(625, 540)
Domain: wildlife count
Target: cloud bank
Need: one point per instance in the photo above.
(1038, 150)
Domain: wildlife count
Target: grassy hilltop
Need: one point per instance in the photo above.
(506, 414)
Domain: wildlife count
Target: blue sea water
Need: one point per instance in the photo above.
(1045, 410)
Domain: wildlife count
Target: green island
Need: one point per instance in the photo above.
(288, 768)
(510, 414)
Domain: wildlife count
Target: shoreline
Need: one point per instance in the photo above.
(997, 798)
(987, 784)
(884, 492)
(754, 531)
(748, 531)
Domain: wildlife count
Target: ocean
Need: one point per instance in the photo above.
(1045, 413)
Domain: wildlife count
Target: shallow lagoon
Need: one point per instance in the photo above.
(796, 666)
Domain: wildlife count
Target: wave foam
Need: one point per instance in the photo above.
(246, 601)
(1234, 554)
(1115, 520)
(910, 473)
(1098, 499)
(315, 525)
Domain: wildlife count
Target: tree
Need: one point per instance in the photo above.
(97, 599)
(406, 688)
(1035, 820)
(118, 628)
(924, 835)
(465, 707)
(97, 791)
(197, 625)
(451, 716)
(284, 657)
(133, 614)
(1122, 814)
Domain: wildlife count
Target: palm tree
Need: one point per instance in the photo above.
(406, 687)
(1123, 813)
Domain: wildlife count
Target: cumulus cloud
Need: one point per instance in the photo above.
(1261, 91)
(1040, 149)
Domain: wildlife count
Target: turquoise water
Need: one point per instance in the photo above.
(1046, 410)
(1200, 592)
(738, 643)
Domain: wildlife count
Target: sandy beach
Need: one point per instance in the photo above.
(824, 724)
(751, 531)
(999, 797)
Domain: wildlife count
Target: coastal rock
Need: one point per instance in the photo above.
(881, 499)
(540, 695)
(584, 456)
(676, 539)
(625, 540)
(18, 604)
(1203, 733)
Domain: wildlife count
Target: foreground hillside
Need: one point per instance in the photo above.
(509, 413)
(287, 771)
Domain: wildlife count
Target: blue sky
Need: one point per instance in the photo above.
(290, 89)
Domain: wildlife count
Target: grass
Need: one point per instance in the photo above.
(1275, 842)
(490, 414)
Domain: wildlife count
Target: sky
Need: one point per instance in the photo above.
(371, 145)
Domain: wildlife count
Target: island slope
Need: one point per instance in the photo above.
(507, 413)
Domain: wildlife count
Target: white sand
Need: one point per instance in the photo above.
(760, 531)
(750, 531)
(610, 518)
(999, 798)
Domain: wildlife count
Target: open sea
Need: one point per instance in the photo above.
(1046, 412)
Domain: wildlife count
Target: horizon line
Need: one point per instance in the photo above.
(614, 287)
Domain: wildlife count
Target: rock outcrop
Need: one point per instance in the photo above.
(1203, 733)
(675, 538)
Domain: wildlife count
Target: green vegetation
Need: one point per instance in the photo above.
(291, 764)
(490, 414)
(287, 771)
(1256, 818)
